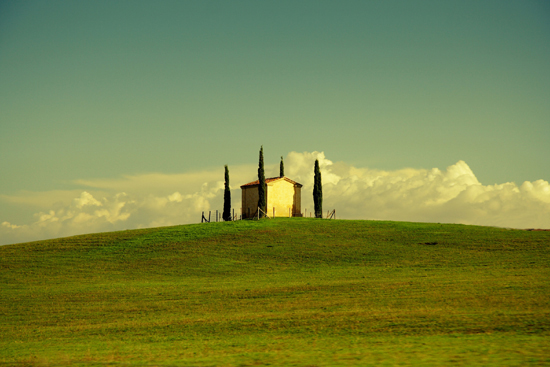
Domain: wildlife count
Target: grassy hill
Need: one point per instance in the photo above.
(279, 292)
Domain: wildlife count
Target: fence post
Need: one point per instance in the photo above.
(209, 212)
(273, 212)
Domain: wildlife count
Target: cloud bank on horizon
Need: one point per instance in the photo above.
(151, 200)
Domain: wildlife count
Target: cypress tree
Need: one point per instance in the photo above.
(226, 197)
(262, 189)
(282, 168)
(317, 191)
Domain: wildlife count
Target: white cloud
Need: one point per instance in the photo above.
(85, 199)
(9, 225)
(452, 196)
(430, 195)
(175, 197)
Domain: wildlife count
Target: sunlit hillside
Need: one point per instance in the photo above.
(303, 292)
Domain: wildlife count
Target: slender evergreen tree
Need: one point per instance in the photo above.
(282, 168)
(262, 189)
(226, 197)
(317, 191)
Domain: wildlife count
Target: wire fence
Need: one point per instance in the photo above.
(257, 215)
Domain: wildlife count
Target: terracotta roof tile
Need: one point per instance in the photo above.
(271, 179)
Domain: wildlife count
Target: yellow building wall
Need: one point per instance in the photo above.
(298, 202)
(280, 196)
(249, 201)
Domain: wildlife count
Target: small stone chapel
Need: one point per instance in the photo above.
(284, 198)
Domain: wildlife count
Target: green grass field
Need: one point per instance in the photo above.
(283, 292)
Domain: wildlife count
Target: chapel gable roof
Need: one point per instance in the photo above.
(271, 179)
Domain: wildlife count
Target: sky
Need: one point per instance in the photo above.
(121, 114)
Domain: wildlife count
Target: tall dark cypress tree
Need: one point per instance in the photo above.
(282, 168)
(226, 197)
(317, 191)
(262, 189)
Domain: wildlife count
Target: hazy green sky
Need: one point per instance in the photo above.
(100, 89)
